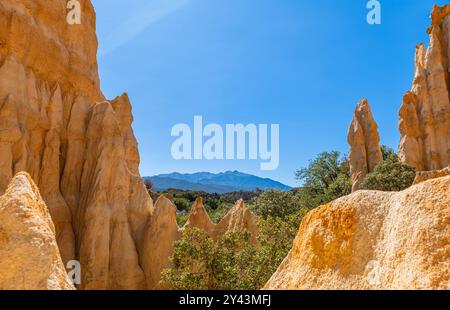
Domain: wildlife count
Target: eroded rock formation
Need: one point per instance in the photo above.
(238, 218)
(79, 148)
(163, 231)
(29, 254)
(422, 176)
(373, 240)
(364, 141)
(425, 113)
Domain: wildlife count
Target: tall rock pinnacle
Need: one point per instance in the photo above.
(364, 141)
(424, 117)
(78, 147)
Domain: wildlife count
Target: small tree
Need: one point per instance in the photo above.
(389, 175)
(326, 178)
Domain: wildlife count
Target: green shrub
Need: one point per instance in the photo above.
(182, 204)
(275, 203)
(390, 175)
(231, 262)
(200, 262)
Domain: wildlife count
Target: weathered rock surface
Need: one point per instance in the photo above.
(79, 148)
(237, 219)
(161, 233)
(29, 254)
(424, 117)
(373, 240)
(364, 141)
(422, 176)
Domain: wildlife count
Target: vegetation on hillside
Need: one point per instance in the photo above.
(232, 261)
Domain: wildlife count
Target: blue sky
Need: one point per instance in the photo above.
(303, 64)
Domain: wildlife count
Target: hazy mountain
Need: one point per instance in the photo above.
(224, 182)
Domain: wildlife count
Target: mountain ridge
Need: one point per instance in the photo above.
(223, 182)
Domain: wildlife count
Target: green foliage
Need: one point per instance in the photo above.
(326, 178)
(217, 214)
(200, 262)
(389, 154)
(390, 175)
(182, 218)
(274, 203)
(231, 262)
(182, 204)
(323, 170)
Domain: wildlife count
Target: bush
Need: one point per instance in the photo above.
(326, 178)
(231, 262)
(274, 203)
(390, 175)
(182, 204)
(200, 262)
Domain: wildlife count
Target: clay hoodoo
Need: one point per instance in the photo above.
(425, 113)
(364, 141)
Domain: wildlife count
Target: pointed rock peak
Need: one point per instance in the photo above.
(22, 183)
(198, 208)
(198, 217)
(423, 116)
(364, 141)
(164, 205)
(198, 203)
(439, 13)
(363, 105)
(29, 254)
(240, 204)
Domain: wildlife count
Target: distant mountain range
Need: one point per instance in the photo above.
(225, 182)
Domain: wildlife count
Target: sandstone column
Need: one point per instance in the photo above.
(364, 141)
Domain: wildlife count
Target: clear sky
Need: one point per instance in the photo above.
(303, 64)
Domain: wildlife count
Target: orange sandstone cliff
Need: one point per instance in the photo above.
(388, 240)
(79, 148)
(425, 113)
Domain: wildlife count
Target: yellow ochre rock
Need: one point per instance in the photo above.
(373, 240)
(29, 254)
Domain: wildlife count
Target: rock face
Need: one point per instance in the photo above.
(373, 240)
(161, 233)
(364, 141)
(79, 148)
(422, 176)
(29, 254)
(238, 218)
(56, 124)
(424, 117)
